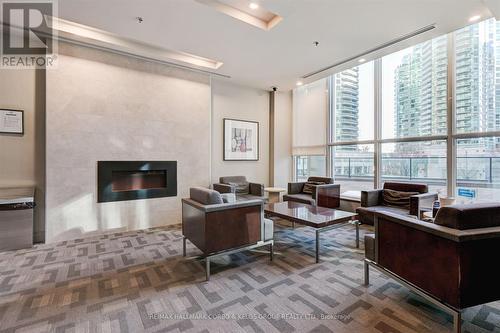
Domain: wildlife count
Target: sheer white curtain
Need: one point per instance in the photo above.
(310, 119)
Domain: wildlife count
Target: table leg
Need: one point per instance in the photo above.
(317, 246)
(183, 246)
(357, 233)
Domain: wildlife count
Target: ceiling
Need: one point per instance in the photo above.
(280, 56)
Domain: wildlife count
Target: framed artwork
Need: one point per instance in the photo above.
(11, 121)
(241, 140)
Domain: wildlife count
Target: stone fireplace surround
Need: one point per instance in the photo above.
(107, 107)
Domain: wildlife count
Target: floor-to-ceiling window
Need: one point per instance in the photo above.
(414, 114)
(477, 111)
(309, 165)
(352, 127)
(429, 114)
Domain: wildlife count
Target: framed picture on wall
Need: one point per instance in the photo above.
(11, 121)
(241, 140)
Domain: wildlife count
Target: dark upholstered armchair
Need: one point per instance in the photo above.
(325, 195)
(220, 228)
(239, 185)
(449, 262)
(373, 201)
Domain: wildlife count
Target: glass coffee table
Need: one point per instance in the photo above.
(319, 218)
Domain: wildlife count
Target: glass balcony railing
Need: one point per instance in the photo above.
(471, 171)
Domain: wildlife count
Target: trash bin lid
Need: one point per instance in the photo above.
(17, 195)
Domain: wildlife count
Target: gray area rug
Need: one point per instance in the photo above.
(139, 282)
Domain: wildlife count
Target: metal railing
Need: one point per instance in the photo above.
(478, 169)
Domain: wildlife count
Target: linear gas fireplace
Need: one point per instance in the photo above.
(133, 180)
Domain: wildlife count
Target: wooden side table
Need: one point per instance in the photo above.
(274, 193)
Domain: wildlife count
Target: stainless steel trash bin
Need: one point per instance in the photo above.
(16, 218)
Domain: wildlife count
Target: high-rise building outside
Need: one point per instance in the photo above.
(347, 105)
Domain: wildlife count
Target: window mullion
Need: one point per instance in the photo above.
(451, 161)
(378, 123)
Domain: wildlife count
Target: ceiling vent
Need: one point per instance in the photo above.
(375, 49)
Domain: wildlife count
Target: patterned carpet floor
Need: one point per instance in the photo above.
(139, 282)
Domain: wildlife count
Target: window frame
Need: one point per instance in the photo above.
(450, 137)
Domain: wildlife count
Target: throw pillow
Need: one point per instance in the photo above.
(308, 187)
(397, 198)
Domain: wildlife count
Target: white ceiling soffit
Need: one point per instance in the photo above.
(494, 7)
(82, 34)
(240, 9)
(370, 52)
(280, 56)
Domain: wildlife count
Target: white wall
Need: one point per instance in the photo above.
(17, 153)
(22, 156)
(283, 139)
(242, 103)
(102, 106)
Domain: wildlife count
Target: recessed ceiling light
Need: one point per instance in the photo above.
(362, 60)
(299, 83)
(257, 16)
(474, 18)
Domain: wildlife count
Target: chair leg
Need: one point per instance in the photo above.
(207, 268)
(183, 246)
(457, 322)
(367, 274)
(271, 251)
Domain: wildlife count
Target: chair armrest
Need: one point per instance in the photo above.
(223, 206)
(439, 230)
(327, 195)
(224, 188)
(421, 200)
(256, 189)
(371, 198)
(295, 188)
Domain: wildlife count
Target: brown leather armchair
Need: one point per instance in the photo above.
(241, 187)
(327, 195)
(373, 202)
(448, 262)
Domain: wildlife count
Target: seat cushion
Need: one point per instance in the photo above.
(244, 197)
(302, 198)
(267, 229)
(205, 196)
(367, 214)
(370, 246)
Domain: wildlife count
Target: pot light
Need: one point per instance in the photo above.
(299, 83)
(362, 60)
(253, 5)
(474, 18)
